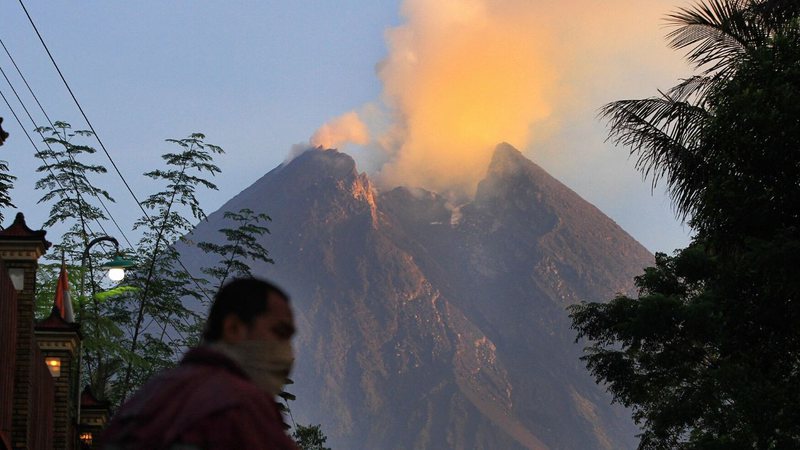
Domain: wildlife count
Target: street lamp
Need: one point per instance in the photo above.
(116, 267)
(116, 273)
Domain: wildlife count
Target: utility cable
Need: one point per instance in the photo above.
(49, 168)
(24, 80)
(74, 181)
(99, 140)
(88, 122)
(80, 108)
(38, 153)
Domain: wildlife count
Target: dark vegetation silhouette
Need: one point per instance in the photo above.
(708, 354)
(6, 179)
(310, 437)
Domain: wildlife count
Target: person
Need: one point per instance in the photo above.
(222, 394)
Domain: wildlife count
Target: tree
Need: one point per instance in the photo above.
(3, 134)
(6, 179)
(6, 184)
(310, 437)
(241, 246)
(65, 180)
(708, 354)
(159, 322)
(71, 195)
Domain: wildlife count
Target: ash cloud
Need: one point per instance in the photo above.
(345, 129)
(462, 76)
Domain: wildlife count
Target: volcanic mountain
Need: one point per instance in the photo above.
(428, 326)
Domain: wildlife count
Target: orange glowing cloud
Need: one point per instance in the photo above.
(347, 128)
(462, 76)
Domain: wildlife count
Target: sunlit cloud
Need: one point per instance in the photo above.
(462, 76)
(347, 128)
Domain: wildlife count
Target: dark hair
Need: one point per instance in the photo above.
(245, 297)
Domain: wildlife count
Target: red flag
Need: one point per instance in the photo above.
(63, 302)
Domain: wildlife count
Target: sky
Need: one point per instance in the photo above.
(418, 91)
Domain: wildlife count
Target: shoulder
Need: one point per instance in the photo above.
(203, 379)
(205, 388)
(243, 427)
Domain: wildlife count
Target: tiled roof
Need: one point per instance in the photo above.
(88, 399)
(55, 322)
(19, 231)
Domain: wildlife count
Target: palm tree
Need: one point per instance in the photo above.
(665, 133)
(708, 353)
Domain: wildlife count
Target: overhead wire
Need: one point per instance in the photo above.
(52, 152)
(96, 195)
(49, 167)
(97, 136)
(105, 150)
(80, 108)
(38, 153)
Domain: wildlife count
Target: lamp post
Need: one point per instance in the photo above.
(116, 272)
(116, 267)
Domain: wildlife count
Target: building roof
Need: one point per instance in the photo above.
(54, 322)
(88, 400)
(19, 231)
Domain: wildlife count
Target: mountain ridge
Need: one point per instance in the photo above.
(429, 326)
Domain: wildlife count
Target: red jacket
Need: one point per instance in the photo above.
(207, 402)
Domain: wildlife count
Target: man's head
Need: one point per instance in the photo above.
(251, 322)
(249, 308)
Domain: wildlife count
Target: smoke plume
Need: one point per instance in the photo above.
(347, 128)
(461, 76)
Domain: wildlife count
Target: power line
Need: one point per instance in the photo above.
(26, 83)
(49, 168)
(24, 80)
(74, 181)
(89, 123)
(38, 153)
(80, 108)
(55, 178)
(96, 135)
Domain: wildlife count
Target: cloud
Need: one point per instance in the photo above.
(462, 76)
(347, 128)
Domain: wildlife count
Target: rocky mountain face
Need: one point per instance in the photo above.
(428, 326)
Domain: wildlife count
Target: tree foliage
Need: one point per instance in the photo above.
(134, 330)
(137, 329)
(6, 184)
(241, 247)
(72, 195)
(6, 179)
(708, 354)
(65, 180)
(162, 322)
(310, 437)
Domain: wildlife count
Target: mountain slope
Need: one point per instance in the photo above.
(428, 326)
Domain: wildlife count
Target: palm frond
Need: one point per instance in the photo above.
(717, 32)
(692, 89)
(662, 133)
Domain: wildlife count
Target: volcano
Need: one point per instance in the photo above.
(427, 325)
